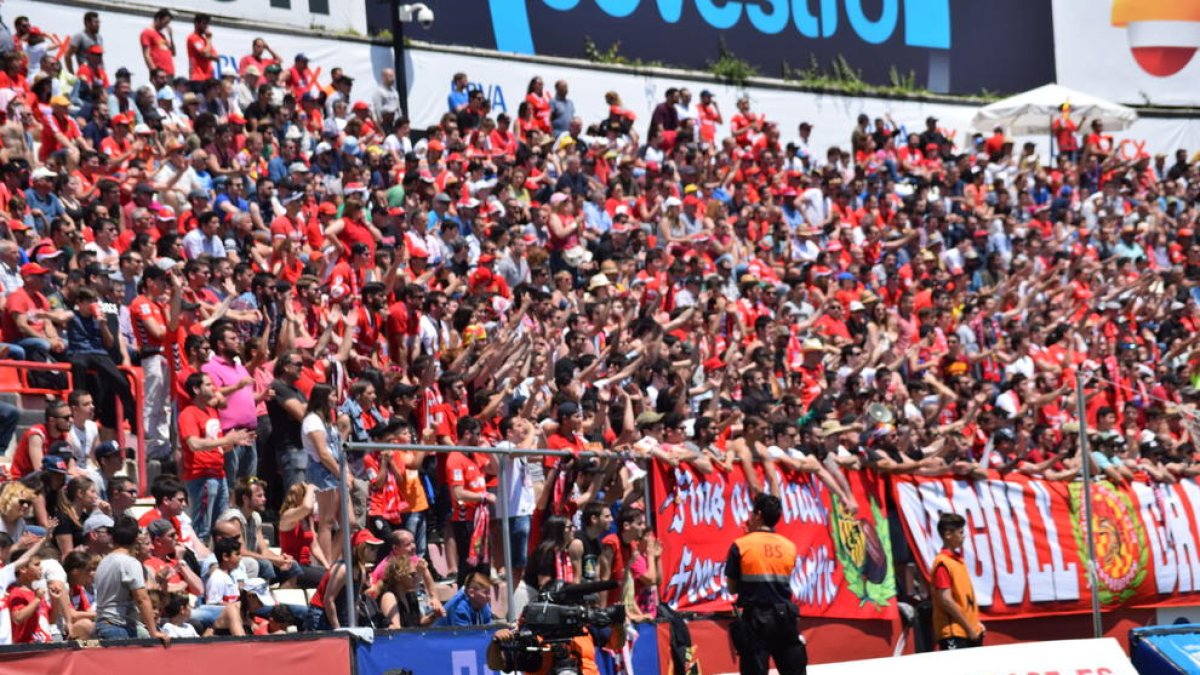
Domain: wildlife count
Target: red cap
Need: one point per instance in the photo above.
(417, 252)
(120, 118)
(32, 269)
(17, 225)
(691, 200)
(364, 536)
(328, 208)
(235, 118)
(1184, 232)
(486, 258)
(436, 146)
(481, 277)
(715, 363)
(396, 211)
(360, 105)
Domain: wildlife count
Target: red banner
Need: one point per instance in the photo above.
(1025, 545)
(843, 560)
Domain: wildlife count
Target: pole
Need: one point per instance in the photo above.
(398, 55)
(1089, 535)
(347, 554)
(502, 508)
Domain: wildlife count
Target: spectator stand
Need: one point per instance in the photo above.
(505, 455)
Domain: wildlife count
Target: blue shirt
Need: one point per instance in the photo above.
(50, 207)
(457, 99)
(459, 612)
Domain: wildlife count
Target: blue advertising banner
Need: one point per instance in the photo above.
(949, 46)
(463, 651)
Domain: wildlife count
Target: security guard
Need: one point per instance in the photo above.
(759, 570)
(956, 623)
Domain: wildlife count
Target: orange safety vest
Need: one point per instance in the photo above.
(767, 560)
(964, 596)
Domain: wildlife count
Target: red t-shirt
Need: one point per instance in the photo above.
(197, 422)
(21, 301)
(30, 630)
(160, 53)
(462, 469)
(558, 441)
(200, 67)
(140, 310)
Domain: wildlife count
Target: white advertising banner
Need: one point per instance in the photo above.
(505, 80)
(1131, 51)
(1077, 657)
(333, 16)
(358, 58)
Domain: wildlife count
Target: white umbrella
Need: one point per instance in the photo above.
(1032, 112)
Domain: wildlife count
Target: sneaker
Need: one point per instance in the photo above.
(448, 579)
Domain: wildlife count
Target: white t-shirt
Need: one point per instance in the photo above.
(81, 441)
(187, 630)
(313, 424)
(220, 588)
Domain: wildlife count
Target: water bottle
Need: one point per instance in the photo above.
(422, 593)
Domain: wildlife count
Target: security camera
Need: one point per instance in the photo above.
(418, 12)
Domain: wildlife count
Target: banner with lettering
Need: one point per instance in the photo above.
(1025, 545)
(843, 552)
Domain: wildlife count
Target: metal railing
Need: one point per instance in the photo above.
(505, 459)
(136, 381)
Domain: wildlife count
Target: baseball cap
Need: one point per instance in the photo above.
(159, 527)
(98, 520)
(106, 449)
(32, 268)
(364, 536)
(567, 408)
(42, 173)
(54, 463)
(60, 100)
(649, 417)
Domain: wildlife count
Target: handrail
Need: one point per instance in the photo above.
(136, 384)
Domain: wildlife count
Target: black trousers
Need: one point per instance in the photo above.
(105, 383)
(763, 633)
(958, 643)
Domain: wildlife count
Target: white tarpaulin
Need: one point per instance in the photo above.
(1093, 657)
(1032, 112)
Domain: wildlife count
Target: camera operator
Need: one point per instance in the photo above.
(759, 570)
(529, 648)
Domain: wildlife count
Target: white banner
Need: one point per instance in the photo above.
(358, 58)
(504, 81)
(1130, 51)
(331, 16)
(1077, 657)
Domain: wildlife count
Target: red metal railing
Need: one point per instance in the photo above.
(14, 379)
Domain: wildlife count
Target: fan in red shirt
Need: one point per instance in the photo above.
(158, 43)
(202, 55)
(203, 452)
(467, 481)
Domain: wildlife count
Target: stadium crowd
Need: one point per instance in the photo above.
(292, 267)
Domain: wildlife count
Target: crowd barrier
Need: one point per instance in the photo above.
(300, 654)
(464, 652)
(14, 379)
(460, 651)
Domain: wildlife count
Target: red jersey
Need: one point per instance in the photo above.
(160, 53)
(464, 470)
(142, 309)
(197, 422)
(200, 66)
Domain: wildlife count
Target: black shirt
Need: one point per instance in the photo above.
(285, 430)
